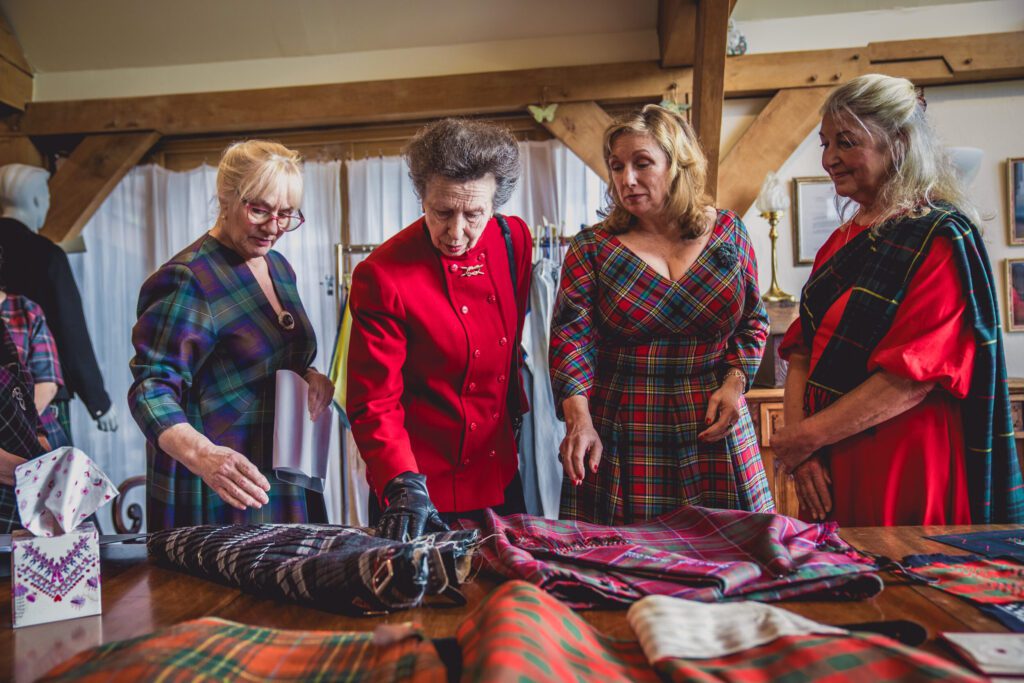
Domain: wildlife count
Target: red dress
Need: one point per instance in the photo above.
(909, 469)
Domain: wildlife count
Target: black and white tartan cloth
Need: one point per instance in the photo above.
(336, 568)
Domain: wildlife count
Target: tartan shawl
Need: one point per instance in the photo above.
(878, 268)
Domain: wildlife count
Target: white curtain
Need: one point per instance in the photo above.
(149, 217)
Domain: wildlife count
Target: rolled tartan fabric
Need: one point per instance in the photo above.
(336, 568)
(215, 649)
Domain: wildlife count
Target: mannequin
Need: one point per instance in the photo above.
(38, 269)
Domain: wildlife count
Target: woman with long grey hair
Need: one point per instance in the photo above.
(437, 315)
(896, 403)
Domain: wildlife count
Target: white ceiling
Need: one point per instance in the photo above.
(80, 35)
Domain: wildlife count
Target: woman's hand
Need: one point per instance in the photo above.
(231, 476)
(321, 392)
(229, 473)
(580, 440)
(812, 487)
(8, 463)
(723, 409)
(793, 444)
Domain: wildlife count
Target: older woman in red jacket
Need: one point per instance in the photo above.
(437, 314)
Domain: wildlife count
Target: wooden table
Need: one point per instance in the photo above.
(139, 597)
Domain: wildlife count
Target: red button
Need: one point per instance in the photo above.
(466, 461)
(490, 298)
(496, 416)
(472, 426)
(503, 341)
(481, 257)
(453, 267)
(501, 378)
(476, 353)
(465, 309)
(493, 453)
(472, 386)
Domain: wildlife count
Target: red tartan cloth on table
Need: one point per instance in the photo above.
(220, 650)
(694, 553)
(988, 580)
(520, 633)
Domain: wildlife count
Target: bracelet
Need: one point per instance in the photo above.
(735, 372)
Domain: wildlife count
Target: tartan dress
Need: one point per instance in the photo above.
(208, 345)
(649, 352)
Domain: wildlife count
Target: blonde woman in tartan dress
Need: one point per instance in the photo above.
(657, 331)
(216, 323)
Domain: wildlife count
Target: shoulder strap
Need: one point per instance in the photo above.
(514, 381)
(507, 233)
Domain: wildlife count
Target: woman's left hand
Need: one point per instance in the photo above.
(792, 444)
(723, 409)
(321, 392)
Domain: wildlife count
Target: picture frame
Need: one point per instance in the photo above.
(1015, 201)
(1014, 295)
(815, 216)
(771, 420)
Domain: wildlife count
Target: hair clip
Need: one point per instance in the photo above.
(921, 100)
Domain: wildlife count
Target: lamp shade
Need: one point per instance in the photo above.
(773, 196)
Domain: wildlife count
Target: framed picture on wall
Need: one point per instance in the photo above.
(814, 217)
(1015, 193)
(1015, 294)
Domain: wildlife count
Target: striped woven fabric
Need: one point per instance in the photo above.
(217, 650)
(694, 553)
(340, 569)
(994, 581)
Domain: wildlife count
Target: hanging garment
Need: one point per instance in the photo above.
(334, 568)
(540, 452)
(995, 585)
(1005, 543)
(694, 553)
(217, 649)
(649, 352)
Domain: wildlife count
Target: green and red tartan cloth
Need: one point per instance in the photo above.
(217, 650)
(693, 552)
(519, 633)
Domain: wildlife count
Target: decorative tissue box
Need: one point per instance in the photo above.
(55, 577)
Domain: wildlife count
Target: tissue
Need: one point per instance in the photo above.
(58, 491)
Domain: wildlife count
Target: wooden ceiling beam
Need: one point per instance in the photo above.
(580, 126)
(771, 139)
(20, 150)
(709, 81)
(677, 31)
(87, 177)
(994, 57)
(15, 72)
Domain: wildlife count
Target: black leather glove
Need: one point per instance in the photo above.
(409, 513)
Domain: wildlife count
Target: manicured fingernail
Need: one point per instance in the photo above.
(707, 421)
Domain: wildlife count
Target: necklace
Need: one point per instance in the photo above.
(286, 320)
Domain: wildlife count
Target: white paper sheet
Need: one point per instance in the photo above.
(301, 446)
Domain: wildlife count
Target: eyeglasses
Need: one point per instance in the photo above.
(286, 220)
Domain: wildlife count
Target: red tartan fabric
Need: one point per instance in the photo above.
(993, 581)
(846, 659)
(694, 553)
(648, 352)
(217, 650)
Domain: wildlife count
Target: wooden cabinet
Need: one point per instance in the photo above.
(765, 407)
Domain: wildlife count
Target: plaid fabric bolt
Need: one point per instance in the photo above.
(208, 345)
(878, 268)
(694, 553)
(520, 633)
(853, 658)
(218, 650)
(983, 580)
(648, 352)
(335, 568)
(37, 350)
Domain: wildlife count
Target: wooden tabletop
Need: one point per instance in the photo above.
(139, 597)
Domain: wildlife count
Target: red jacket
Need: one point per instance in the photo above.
(429, 360)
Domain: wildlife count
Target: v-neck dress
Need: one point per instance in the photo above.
(208, 345)
(648, 352)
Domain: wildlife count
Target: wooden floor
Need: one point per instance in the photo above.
(139, 597)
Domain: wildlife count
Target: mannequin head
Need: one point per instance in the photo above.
(24, 194)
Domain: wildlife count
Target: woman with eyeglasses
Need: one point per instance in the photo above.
(216, 323)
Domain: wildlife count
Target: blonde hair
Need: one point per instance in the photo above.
(892, 114)
(255, 169)
(687, 200)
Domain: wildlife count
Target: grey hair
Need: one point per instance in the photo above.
(462, 150)
(921, 172)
